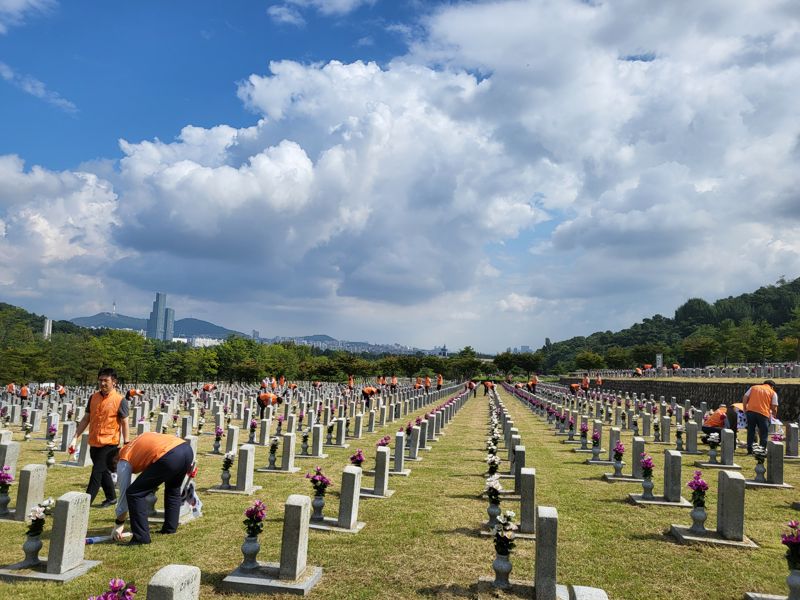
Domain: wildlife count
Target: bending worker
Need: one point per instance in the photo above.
(158, 458)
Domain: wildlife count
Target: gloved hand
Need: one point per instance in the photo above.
(116, 532)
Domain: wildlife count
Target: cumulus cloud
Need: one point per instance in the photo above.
(34, 87)
(644, 155)
(286, 15)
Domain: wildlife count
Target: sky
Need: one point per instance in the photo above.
(484, 173)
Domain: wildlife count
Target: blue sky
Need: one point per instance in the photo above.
(486, 172)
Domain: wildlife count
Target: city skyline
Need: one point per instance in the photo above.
(482, 173)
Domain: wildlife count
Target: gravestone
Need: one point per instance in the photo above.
(175, 582)
(232, 439)
(67, 538)
(30, 490)
(347, 520)
(9, 454)
(292, 575)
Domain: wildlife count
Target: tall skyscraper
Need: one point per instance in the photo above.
(169, 324)
(161, 323)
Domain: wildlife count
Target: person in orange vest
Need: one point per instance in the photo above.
(264, 400)
(598, 381)
(62, 391)
(282, 381)
(351, 382)
(585, 382)
(487, 385)
(532, 383)
(133, 393)
(158, 459)
(23, 392)
(439, 381)
(11, 391)
(573, 388)
(427, 384)
(637, 372)
(676, 367)
(715, 422)
(367, 393)
(107, 419)
(419, 380)
(393, 385)
(760, 406)
(473, 387)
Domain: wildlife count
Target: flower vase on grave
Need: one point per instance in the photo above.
(647, 488)
(493, 510)
(215, 449)
(596, 452)
(583, 443)
(271, 461)
(699, 516)
(31, 547)
(617, 468)
(793, 582)
(226, 480)
(304, 446)
(571, 435)
(712, 456)
(317, 503)
(502, 569)
(679, 440)
(329, 439)
(252, 438)
(4, 500)
(278, 431)
(250, 549)
(760, 470)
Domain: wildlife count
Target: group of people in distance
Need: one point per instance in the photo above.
(586, 384)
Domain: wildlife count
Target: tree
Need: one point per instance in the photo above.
(504, 362)
(694, 312)
(700, 349)
(588, 360)
(765, 341)
(617, 357)
(529, 362)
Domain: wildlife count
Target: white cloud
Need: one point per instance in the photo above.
(517, 303)
(643, 154)
(280, 13)
(34, 87)
(332, 7)
(14, 12)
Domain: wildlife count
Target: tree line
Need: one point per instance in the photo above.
(73, 355)
(760, 326)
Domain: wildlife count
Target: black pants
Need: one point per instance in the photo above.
(169, 470)
(104, 462)
(263, 410)
(757, 421)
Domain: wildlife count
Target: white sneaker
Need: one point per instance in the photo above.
(114, 478)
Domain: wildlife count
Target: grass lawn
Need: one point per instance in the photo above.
(423, 542)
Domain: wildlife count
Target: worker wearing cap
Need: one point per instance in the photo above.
(158, 458)
(760, 405)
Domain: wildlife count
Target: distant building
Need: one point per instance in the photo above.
(47, 330)
(161, 324)
(256, 334)
(524, 349)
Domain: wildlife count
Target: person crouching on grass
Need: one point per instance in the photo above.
(158, 458)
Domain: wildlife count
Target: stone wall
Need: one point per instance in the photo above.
(713, 393)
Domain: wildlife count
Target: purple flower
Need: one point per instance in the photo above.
(358, 457)
(218, 432)
(253, 424)
(52, 430)
(6, 477)
(697, 483)
(116, 585)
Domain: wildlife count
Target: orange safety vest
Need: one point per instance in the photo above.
(147, 449)
(439, 379)
(350, 381)
(585, 383)
(61, 390)
(427, 381)
(282, 380)
(103, 423)
(717, 418)
(760, 400)
(23, 392)
(394, 380)
(10, 388)
(598, 381)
